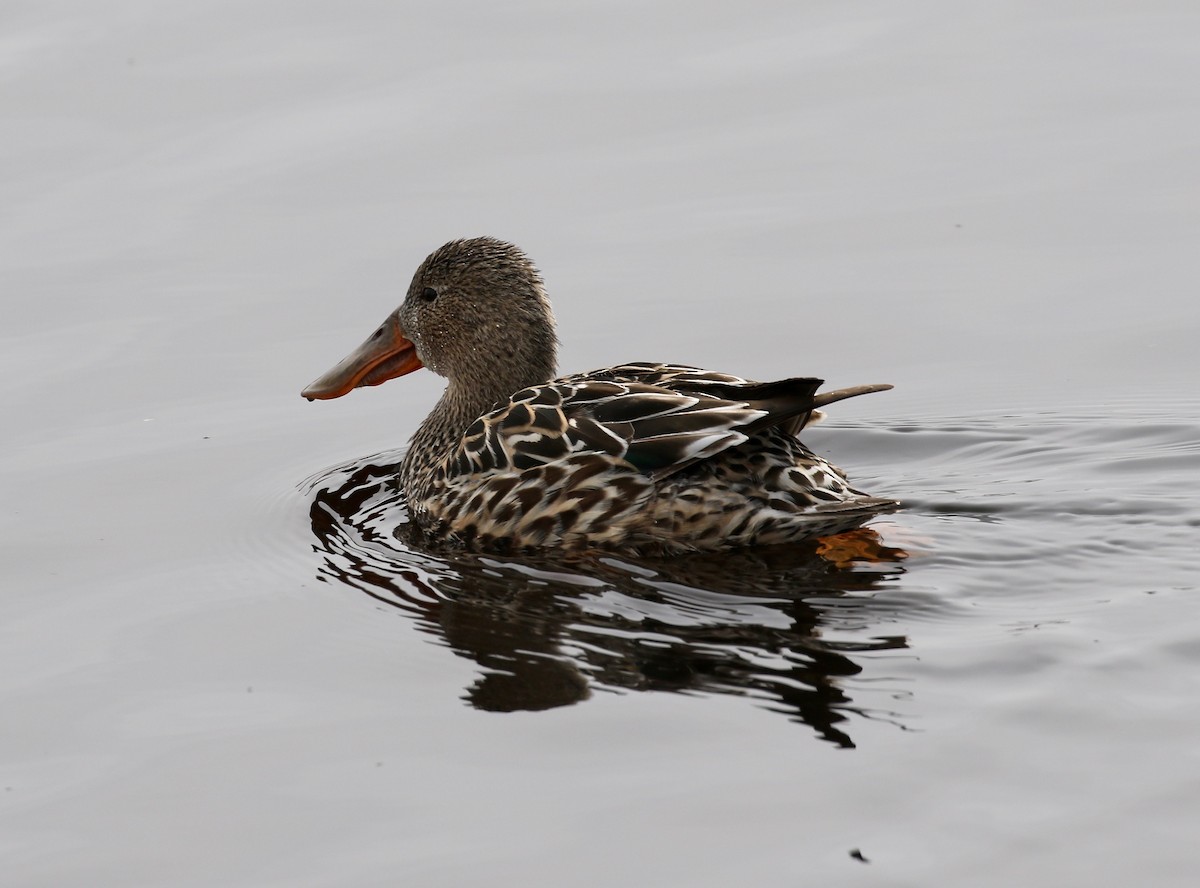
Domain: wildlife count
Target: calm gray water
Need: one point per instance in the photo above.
(221, 662)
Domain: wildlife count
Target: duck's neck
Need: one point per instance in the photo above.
(444, 427)
(436, 436)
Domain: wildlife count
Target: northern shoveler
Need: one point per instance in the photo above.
(643, 457)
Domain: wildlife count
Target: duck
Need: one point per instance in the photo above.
(645, 458)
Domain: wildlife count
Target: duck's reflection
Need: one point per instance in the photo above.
(551, 630)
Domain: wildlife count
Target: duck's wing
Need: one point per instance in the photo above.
(683, 378)
(661, 430)
(655, 418)
(653, 429)
(629, 426)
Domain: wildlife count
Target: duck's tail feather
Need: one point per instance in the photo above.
(794, 425)
(824, 399)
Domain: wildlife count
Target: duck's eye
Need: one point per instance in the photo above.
(429, 294)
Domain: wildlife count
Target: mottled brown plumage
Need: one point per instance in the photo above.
(656, 458)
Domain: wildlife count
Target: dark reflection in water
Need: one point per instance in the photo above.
(549, 630)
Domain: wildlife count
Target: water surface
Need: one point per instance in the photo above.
(224, 662)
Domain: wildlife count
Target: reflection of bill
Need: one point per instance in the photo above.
(779, 624)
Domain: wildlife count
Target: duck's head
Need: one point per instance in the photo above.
(476, 312)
